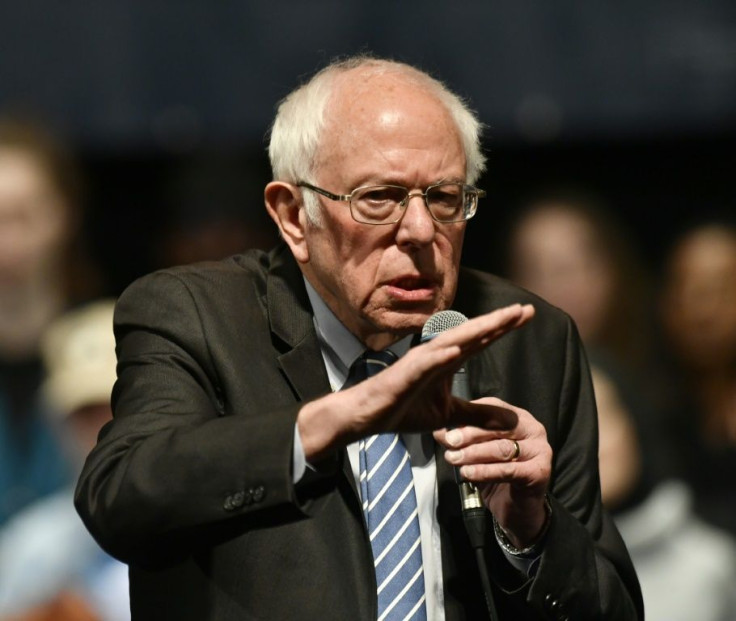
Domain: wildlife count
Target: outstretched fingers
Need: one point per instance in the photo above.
(477, 333)
(446, 352)
(414, 394)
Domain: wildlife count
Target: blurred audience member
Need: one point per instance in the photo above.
(686, 567)
(570, 250)
(210, 211)
(50, 567)
(699, 321)
(39, 218)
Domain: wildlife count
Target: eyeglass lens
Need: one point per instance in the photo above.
(446, 202)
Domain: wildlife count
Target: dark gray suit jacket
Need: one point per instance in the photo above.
(191, 482)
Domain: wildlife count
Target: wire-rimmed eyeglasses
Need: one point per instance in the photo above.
(385, 204)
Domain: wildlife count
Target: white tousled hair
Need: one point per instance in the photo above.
(297, 129)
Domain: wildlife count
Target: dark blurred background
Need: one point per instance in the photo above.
(635, 101)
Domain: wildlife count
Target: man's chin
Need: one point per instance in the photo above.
(391, 325)
(403, 321)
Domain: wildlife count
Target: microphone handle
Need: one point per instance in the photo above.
(460, 385)
(475, 516)
(461, 390)
(469, 494)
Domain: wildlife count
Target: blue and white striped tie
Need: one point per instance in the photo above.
(390, 507)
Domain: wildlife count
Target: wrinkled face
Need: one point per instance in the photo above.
(33, 222)
(384, 281)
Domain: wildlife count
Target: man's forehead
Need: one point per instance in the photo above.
(357, 84)
(384, 102)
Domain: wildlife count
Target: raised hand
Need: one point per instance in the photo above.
(414, 394)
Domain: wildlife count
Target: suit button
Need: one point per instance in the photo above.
(259, 493)
(551, 603)
(228, 504)
(237, 499)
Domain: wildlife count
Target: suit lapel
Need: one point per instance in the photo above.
(290, 315)
(292, 323)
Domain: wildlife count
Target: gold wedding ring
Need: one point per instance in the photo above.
(517, 451)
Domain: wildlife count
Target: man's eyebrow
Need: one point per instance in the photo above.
(401, 183)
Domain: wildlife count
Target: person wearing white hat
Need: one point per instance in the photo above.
(50, 565)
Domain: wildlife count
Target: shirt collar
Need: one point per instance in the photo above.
(340, 347)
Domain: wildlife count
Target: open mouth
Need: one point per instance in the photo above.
(412, 289)
(412, 283)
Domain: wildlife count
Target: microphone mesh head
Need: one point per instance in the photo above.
(441, 321)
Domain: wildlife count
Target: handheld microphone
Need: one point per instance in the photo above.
(437, 323)
(474, 513)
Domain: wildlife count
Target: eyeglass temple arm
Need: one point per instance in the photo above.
(314, 188)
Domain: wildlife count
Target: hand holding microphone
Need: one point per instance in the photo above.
(498, 476)
(469, 494)
(475, 516)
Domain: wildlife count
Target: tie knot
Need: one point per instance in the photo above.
(368, 364)
(377, 361)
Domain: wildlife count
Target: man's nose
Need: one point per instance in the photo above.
(417, 227)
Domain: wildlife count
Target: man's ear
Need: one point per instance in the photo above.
(285, 206)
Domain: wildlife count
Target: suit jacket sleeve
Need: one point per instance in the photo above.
(585, 566)
(585, 571)
(173, 462)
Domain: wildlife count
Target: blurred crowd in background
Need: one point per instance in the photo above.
(656, 312)
(661, 342)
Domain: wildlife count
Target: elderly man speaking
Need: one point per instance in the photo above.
(288, 445)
